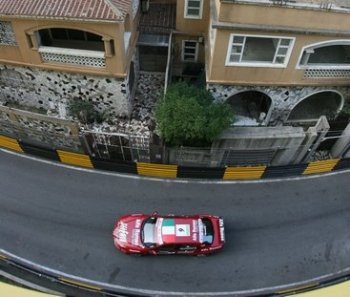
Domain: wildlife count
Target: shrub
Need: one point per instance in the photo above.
(188, 116)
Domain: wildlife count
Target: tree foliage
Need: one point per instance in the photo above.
(188, 116)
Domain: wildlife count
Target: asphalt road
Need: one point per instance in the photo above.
(277, 232)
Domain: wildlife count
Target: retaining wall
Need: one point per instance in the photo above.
(176, 171)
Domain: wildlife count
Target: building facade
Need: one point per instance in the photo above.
(52, 53)
(278, 63)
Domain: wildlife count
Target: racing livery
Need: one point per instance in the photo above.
(155, 234)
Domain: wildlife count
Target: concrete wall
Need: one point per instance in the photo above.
(284, 141)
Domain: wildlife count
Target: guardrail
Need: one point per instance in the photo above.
(176, 171)
(339, 282)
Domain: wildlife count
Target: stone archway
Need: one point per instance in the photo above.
(250, 107)
(327, 103)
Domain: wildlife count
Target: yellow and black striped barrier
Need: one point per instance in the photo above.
(320, 166)
(10, 143)
(239, 173)
(156, 170)
(75, 159)
(176, 171)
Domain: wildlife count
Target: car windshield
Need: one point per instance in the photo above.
(208, 231)
(148, 234)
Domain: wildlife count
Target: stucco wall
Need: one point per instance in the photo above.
(219, 72)
(189, 25)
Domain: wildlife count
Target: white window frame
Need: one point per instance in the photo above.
(191, 16)
(318, 45)
(195, 55)
(257, 63)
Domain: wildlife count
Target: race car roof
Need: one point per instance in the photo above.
(179, 230)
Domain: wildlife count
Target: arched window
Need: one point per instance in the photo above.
(70, 38)
(333, 53)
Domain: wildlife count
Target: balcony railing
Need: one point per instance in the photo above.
(326, 73)
(72, 56)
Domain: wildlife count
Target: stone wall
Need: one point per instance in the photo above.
(52, 91)
(284, 99)
(40, 129)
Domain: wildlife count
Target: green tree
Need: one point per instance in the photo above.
(188, 116)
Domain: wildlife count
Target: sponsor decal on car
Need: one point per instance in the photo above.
(123, 232)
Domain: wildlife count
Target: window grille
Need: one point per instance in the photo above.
(326, 73)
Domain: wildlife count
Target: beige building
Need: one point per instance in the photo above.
(54, 52)
(279, 62)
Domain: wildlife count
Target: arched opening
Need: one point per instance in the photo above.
(327, 103)
(70, 38)
(250, 108)
(335, 53)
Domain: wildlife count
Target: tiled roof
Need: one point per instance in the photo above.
(109, 10)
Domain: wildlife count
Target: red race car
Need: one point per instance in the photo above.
(157, 235)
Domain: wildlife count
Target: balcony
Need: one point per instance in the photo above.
(72, 56)
(70, 46)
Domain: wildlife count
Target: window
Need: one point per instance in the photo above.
(70, 38)
(334, 54)
(208, 231)
(148, 234)
(189, 51)
(193, 9)
(263, 51)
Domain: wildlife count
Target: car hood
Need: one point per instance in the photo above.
(127, 231)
